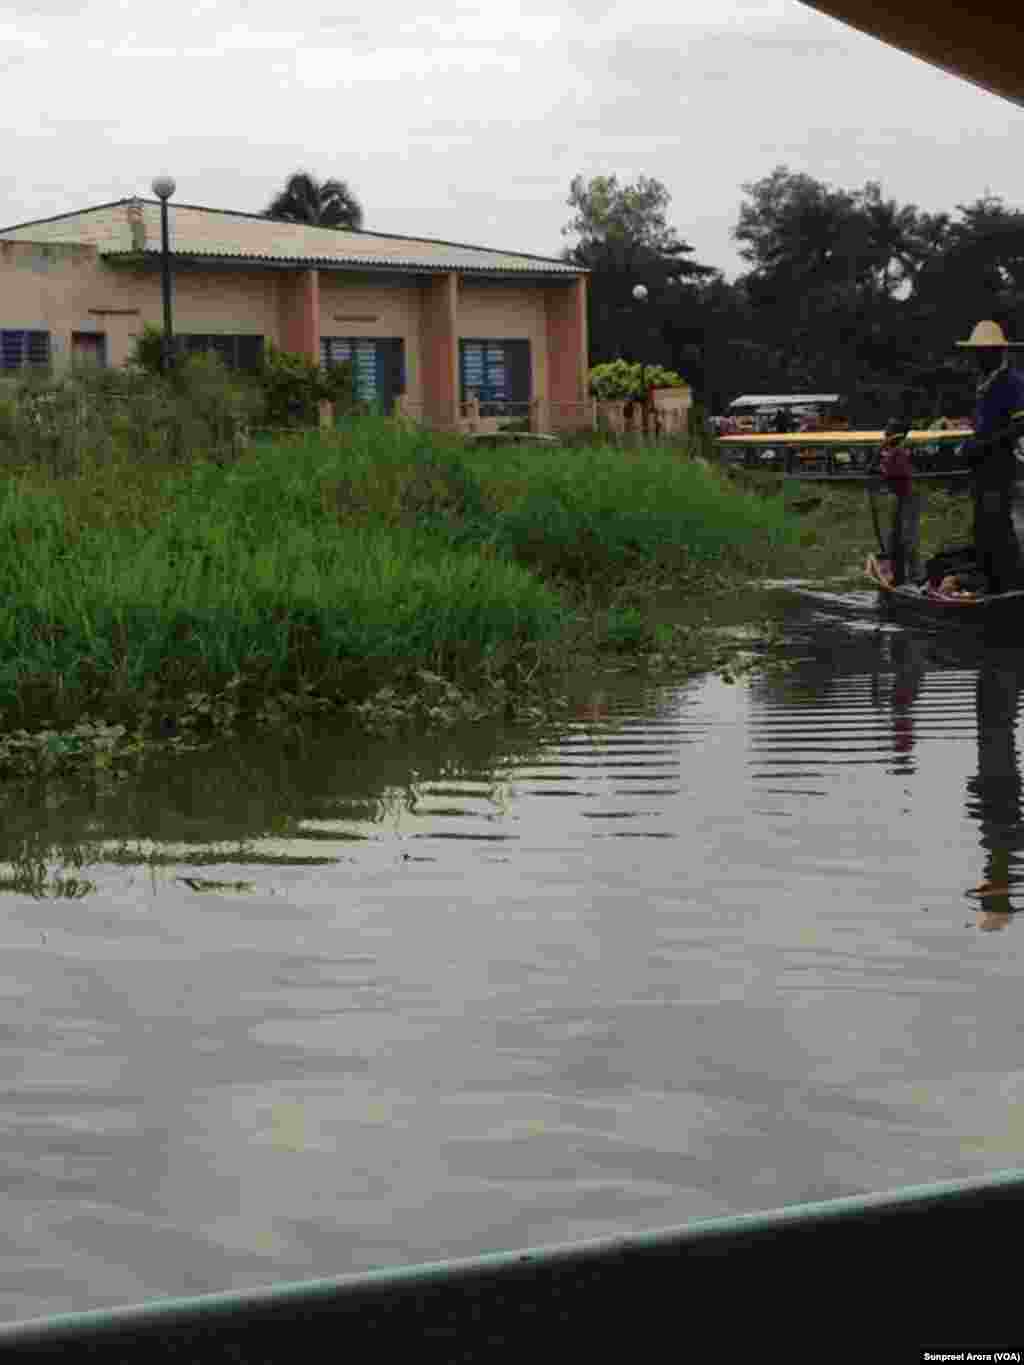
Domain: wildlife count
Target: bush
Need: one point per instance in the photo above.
(290, 386)
(621, 379)
(216, 403)
(79, 419)
(147, 354)
(294, 387)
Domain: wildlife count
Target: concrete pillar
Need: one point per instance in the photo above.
(299, 313)
(566, 313)
(439, 349)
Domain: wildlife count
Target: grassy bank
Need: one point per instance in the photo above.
(389, 571)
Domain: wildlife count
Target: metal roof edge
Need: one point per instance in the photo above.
(127, 256)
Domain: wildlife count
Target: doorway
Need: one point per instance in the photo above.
(88, 350)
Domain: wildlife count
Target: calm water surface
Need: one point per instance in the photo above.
(697, 949)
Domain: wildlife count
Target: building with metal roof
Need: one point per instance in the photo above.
(458, 333)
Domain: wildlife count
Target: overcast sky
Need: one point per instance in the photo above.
(468, 122)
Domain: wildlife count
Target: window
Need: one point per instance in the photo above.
(237, 352)
(378, 364)
(496, 372)
(18, 349)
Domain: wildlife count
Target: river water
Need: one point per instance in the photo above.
(694, 949)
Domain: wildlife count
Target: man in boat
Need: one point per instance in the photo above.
(992, 457)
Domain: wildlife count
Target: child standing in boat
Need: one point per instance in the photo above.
(896, 470)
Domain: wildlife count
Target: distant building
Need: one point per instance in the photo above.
(462, 335)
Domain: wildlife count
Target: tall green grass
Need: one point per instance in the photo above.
(590, 510)
(306, 559)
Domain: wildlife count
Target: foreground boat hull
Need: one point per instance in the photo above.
(917, 1269)
(946, 608)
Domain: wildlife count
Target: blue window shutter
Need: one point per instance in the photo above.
(496, 372)
(517, 364)
(378, 365)
(37, 348)
(19, 348)
(11, 350)
(471, 369)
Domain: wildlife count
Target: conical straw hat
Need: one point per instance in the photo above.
(988, 334)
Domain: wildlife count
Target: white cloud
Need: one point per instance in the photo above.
(241, 39)
(469, 123)
(490, 26)
(22, 38)
(327, 68)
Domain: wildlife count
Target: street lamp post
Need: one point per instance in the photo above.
(640, 294)
(163, 187)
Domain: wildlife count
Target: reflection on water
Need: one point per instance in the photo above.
(314, 1005)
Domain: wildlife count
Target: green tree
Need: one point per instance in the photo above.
(832, 275)
(625, 239)
(322, 203)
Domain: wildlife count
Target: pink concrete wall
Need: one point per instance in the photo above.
(567, 341)
(299, 296)
(439, 349)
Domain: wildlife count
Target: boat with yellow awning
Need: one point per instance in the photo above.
(839, 453)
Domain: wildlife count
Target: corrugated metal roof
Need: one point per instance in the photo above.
(362, 262)
(132, 226)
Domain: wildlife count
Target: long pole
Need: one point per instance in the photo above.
(165, 267)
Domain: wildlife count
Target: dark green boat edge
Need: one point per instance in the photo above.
(896, 1268)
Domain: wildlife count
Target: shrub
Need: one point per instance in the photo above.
(294, 386)
(148, 352)
(621, 379)
(216, 403)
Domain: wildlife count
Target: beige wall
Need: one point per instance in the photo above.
(54, 288)
(236, 301)
(507, 312)
(62, 289)
(354, 306)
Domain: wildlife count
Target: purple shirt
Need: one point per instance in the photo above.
(896, 468)
(997, 404)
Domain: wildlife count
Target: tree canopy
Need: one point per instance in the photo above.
(844, 289)
(625, 239)
(322, 203)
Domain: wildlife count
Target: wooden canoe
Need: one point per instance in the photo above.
(905, 1271)
(936, 604)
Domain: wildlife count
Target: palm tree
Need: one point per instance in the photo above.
(327, 203)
